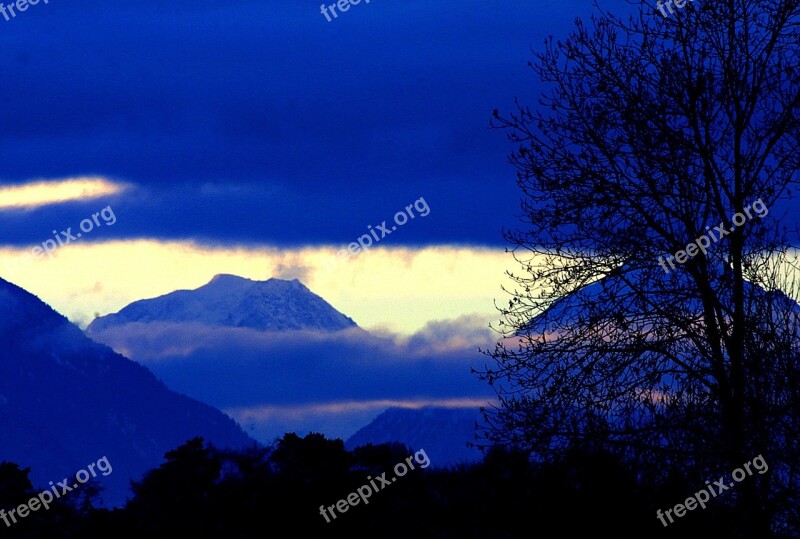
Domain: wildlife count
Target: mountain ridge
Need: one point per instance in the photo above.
(443, 432)
(233, 301)
(67, 400)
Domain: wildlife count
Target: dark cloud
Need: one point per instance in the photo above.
(304, 380)
(306, 131)
(235, 367)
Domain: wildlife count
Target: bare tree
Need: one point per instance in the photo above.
(655, 132)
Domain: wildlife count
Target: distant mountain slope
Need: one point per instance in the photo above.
(294, 363)
(66, 401)
(442, 432)
(231, 301)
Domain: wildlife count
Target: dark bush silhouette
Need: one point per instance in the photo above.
(204, 492)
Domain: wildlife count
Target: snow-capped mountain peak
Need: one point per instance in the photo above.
(233, 301)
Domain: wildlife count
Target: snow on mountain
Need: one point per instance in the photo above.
(231, 301)
(66, 401)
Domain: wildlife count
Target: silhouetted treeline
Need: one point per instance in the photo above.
(203, 492)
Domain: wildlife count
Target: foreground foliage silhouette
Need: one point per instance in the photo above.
(201, 491)
(655, 309)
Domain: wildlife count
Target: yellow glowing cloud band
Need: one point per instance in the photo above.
(399, 289)
(42, 193)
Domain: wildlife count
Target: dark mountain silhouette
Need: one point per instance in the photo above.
(231, 301)
(442, 432)
(66, 401)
